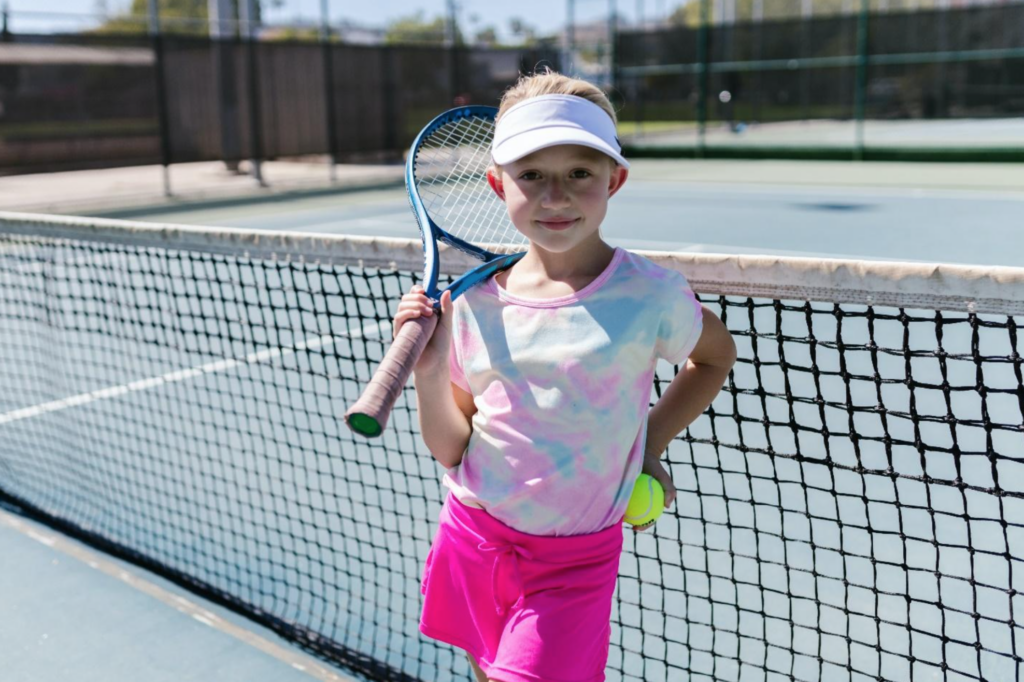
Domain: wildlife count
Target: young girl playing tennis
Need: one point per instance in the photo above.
(539, 382)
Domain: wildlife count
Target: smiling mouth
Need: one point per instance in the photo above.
(558, 224)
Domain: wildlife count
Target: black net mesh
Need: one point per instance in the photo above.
(851, 506)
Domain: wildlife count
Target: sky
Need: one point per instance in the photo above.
(547, 16)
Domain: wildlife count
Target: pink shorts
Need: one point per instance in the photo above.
(527, 607)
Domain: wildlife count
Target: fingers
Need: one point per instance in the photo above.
(670, 490)
(446, 310)
(416, 299)
(413, 304)
(654, 467)
(416, 294)
(420, 305)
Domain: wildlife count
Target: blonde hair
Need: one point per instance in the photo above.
(550, 82)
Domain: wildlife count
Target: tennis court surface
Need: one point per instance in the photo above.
(850, 506)
(73, 612)
(960, 213)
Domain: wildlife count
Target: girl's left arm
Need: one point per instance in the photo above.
(694, 388)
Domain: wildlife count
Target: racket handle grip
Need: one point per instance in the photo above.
(369, 415)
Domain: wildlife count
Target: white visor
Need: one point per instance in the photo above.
(549, 120)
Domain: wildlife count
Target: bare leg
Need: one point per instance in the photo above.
(480, 676)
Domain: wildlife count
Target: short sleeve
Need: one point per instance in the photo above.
(458, 374)
(681, 321)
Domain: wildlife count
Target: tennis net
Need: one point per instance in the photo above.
(850, 507)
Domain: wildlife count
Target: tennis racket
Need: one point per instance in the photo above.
(447, 183)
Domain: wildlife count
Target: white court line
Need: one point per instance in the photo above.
(141, 582)
(786, 191)
(312, 343)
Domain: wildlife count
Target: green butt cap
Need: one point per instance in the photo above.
(364, 425)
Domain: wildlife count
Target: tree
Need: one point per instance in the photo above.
(416, 29)
(295, 33)
(176, 16)
(688, 13)
(486, 36)
(520, 29)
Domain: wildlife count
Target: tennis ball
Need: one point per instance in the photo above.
(647, 501)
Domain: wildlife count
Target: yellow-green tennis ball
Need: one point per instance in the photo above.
(647, 501)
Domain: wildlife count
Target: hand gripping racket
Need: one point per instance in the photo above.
(447, 183)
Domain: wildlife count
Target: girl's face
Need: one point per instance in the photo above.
(558, 197)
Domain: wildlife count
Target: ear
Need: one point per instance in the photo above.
(494, 179)
(617, 179)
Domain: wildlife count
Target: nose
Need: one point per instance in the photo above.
(555, 195)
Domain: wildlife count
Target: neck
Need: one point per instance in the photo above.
(584, 260)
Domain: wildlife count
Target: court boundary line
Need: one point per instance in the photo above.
(98, 561)
(222, 365)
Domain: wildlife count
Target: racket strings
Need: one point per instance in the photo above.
(463, 200)
(450, 169)
(478, 223)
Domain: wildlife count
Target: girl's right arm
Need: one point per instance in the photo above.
(444, 421)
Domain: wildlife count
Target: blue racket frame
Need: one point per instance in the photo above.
(431, 233)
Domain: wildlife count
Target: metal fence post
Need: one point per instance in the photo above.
(758, 76)
(805, 81)
(255, 134)
(226, 87)
(456, 76)
(570, 37)
(860, 93)
(247, 18)
(161, 94)
(613, 36)
(702, 77)
(452, 40)
(162, 113)
(328, 57)
(392, 140)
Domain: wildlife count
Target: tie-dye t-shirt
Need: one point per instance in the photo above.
(562, 388)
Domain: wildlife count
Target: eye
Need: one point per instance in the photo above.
(580, 173)
(529, 175)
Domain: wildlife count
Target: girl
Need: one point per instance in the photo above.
(538, 382)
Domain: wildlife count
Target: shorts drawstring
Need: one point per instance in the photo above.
(544, 609)
(506, 549)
